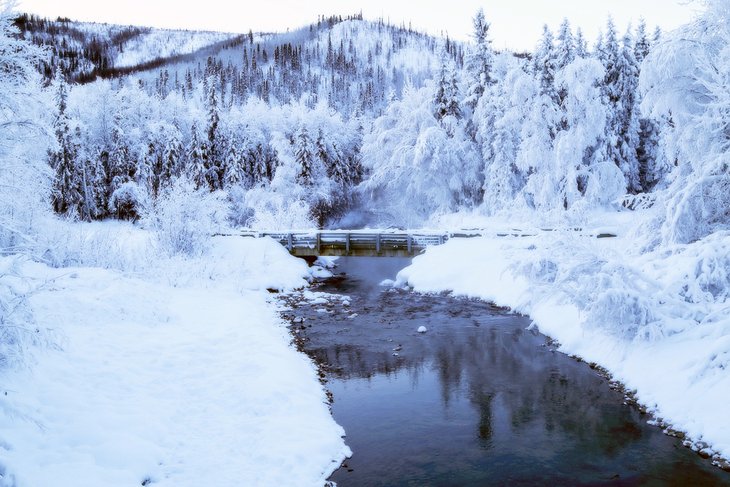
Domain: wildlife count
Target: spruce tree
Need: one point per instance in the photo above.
(66, 188)
(581, 45)
(545, 63)
(214, 148)
(234, 173)
(479, 61)
(303, 156)
(620, 90)
(195, 164)
(565, 49)
(641, 43)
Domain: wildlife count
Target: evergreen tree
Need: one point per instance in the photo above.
(195, 164)
(581, 45)
(121, 165)
(94, 182)
(66, 189)
(641, 43)
(171, 158)
(480, 61)
(304, 159)
(545, 63)
(213, 147)
(620, 89)
(446, 100)
(234, 173)
(566, 48)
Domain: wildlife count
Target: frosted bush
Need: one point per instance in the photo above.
(620, 312)
(540, 270)
(706, 276)
(184, 218)
(699, 209)
(18, 328)
(110, 245)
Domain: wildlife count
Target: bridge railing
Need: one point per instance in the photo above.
(365, 243)
(361, 243)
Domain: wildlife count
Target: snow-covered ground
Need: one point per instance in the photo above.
(658, 321)
(178, 374)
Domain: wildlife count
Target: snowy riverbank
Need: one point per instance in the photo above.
(658, 321)
(181, 374)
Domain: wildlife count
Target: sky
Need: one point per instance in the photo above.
(516, 24)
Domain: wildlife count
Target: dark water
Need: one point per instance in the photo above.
(477, 400)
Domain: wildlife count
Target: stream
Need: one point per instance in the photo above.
(478, 399)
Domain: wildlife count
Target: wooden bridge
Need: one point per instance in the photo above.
(343, 243)
(384, 244)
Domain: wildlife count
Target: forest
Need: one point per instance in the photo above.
(346, 115)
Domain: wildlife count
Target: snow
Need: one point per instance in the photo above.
(422, 329)
(182, 374)
(658, 321)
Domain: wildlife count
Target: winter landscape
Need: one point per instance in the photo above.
(151, 335)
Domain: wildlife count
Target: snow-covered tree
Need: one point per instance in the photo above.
(545, 63)
(479, 61)
(304, 157)
(234, 172)
(67, 190)
(195, 163)
(214, 149)
(503, 179)
(619, 88)
(686, 84)
(566, 47)
(24, 136)
(581, 45)
(416, 167)
(642, 45)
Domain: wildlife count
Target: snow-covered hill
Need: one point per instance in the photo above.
(83, 50)
(353, 64)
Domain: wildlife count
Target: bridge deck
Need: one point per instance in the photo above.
(364, 244)
(356, 243)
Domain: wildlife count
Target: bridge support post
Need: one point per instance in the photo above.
(290, 242)
(409, 244)
(319, 243)
(377, 243)
(347, 244)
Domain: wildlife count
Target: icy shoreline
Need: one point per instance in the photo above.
(604, 304)
(183, 375)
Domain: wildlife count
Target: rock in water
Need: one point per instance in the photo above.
(422, 329)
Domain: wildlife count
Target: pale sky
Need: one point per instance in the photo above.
(516, 24)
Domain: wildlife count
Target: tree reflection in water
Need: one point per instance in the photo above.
(478, 399)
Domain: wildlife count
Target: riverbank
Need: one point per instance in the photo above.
(172, 372)
(658, 321)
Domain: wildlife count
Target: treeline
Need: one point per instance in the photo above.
(116, 163)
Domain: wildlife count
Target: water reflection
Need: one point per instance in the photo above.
(478, 400)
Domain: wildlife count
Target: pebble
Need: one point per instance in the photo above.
(422, 329)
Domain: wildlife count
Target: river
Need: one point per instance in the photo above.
(478, 399)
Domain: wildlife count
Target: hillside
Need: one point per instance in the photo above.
(353, 64)
(84, 50)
